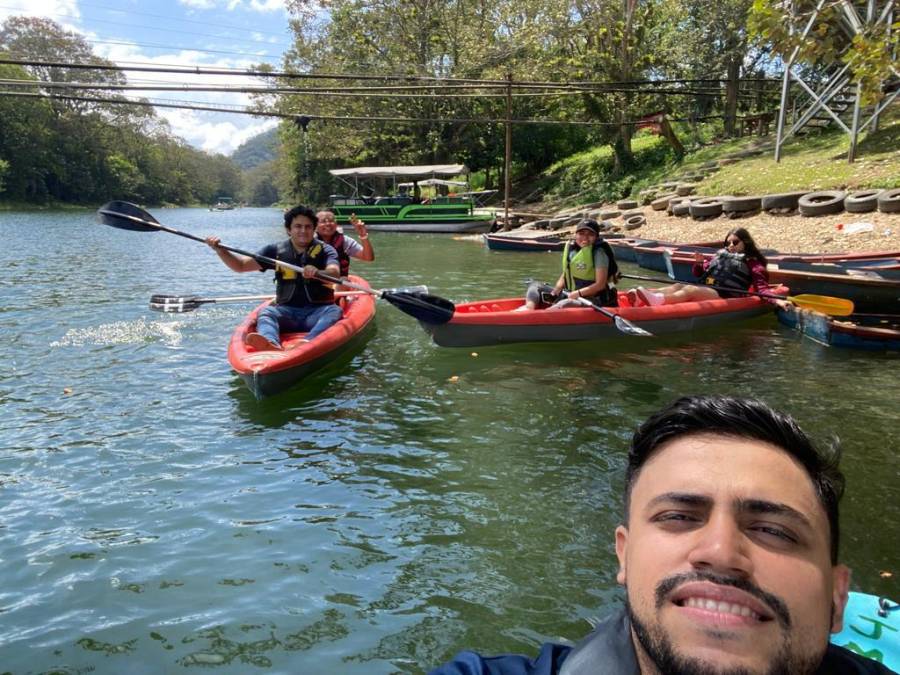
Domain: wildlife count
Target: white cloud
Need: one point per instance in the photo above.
(210, 131)
(267, 5)
(212, 135)
(50, 9)
(198, 4)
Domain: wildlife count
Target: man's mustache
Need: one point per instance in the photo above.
(778, 607)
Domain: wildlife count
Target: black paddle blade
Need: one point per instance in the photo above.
(174, 303)
(126, 216)
(422, 306)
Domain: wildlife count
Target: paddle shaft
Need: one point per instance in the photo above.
(255, 256)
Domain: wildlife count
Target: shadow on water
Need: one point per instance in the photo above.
(317, 393)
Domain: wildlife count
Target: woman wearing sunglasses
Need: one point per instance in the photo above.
(740, 266)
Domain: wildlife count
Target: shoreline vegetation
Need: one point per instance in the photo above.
(743, 166)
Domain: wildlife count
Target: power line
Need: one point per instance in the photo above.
(305, 119)
(358, 92)
(198, 70)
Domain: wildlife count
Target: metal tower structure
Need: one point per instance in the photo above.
(836, 94)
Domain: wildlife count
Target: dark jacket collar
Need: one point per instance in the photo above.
(607, 649)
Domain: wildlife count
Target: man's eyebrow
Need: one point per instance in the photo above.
(762, 506)
(682, 498)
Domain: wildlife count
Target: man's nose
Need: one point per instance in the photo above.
(721, 546)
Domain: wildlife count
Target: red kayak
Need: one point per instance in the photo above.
(493, 322)
(268, 372)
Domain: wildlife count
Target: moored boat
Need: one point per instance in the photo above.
(872, 333)
(547, 242)
(405, 212)
(499, 241)
(494, 322)
(652, 256)
(268, 372)
(868, 293)
(624, 248)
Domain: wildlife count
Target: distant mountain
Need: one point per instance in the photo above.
(258, 150)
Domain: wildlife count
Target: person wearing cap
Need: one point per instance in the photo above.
(589, 271)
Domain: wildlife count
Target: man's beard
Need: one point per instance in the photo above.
(658, 645)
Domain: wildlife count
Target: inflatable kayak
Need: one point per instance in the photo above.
(493, 322)
(268, 372)
(872, 629)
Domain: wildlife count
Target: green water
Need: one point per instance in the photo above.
(408, 502)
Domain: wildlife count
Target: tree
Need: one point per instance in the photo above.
(870, 53)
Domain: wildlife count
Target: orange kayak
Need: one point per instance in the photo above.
(268, 372)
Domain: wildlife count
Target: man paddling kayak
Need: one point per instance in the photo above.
(303, 303)
(728, 553)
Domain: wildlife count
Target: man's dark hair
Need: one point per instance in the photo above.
(741, 418)
(299, 210)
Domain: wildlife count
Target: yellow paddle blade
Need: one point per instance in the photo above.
(823, 303)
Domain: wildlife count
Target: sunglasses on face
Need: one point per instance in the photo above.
(733, 242)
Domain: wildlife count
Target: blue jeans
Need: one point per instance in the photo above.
(312, 319)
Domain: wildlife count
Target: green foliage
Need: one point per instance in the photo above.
(4, 168)
(87, 153)
(591, 175)
(258, 150)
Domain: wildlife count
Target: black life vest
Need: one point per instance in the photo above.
(728, 270)
(290, 286)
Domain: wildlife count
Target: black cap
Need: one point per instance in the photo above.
(589, 225)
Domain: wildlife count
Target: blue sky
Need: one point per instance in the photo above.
(210, 33)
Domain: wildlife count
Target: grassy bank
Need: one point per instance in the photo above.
(815, 162)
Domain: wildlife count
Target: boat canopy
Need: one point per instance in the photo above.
(404, 171)
(436, 181)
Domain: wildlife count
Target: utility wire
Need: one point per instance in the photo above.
(358, 92)
(304, 119)
(197, 70)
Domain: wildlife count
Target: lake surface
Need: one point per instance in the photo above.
(406, 503)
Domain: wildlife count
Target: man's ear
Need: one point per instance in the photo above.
(621, 552)
(840, 593)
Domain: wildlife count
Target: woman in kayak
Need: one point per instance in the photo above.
(589, 271)
(740, 266)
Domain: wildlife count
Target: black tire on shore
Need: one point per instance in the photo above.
(662, 203)
(705, 207)
(889, 201)
(782, 200)
(861, 201)
(681, 209)
(742, 204)
(626, 204)
(635, 221)
(822, 203)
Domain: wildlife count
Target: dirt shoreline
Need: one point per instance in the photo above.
(785, 233)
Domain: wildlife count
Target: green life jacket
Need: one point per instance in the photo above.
(290, 286)
(578, 267)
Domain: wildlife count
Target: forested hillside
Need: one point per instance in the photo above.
(55, 150)
(258, 150)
